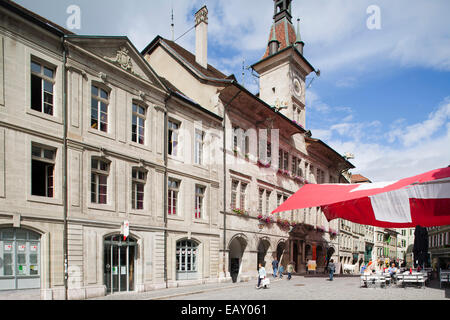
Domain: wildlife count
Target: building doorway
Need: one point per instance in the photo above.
(20, 266)
(119, 263)
(263, 247)
(237, 247)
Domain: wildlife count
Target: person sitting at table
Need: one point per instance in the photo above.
(392, 270)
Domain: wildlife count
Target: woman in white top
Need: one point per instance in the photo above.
(261, 274)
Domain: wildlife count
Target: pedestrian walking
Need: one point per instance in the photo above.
(280, 271)
(261, 275)
(275, 267)
(331, 269)
(290, 269)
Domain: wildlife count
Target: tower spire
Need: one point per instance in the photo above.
(274, 44)
(299, 44)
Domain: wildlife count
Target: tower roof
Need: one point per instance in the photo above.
(284, 33)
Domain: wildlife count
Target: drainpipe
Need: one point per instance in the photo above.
(225, 181)
(65, 191)
(165, 187)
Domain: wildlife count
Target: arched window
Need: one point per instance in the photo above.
(187, 255)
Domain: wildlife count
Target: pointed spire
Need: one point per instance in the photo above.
(274, 44)
(299, 44)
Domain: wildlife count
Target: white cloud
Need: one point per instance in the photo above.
(425, 130)
(419, 151)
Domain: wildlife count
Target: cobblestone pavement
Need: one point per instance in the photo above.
(299, 288)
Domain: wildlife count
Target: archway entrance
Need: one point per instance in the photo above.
(263, 246)
(237, 247)
(20, 266)
(119, 263)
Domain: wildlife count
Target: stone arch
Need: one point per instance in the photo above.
(262, 250)
(236, 248)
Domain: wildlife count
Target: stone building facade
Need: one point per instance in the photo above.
(126, 171)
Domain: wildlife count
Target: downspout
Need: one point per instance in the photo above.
(225, 180)
(165, 187)
(65, 191)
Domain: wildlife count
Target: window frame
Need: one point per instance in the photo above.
(43, 77)
(173, 196)
(50, 163)
(98, 173)
(100, 100)
(199, 204)
(138, 116)
(135, 182)
(171, 150)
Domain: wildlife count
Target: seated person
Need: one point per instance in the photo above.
(392, 270)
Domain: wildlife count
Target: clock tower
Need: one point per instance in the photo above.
(283, 68)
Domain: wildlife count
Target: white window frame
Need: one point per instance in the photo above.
(44, 78)
(136, 114)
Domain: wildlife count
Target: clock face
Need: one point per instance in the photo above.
(297, 87)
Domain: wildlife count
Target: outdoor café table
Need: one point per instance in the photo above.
(373, 280)
(415, 277)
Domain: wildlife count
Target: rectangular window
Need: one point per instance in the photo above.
(99, 181)
(242, 197)
(294, 165)
(267, 202)
(199, 141)
(173, 138)
(139, 178)
(260, 201)
(174, 186)
(99, 109)
(199, 195)
(42, 87)
(234, 190)
(286, 160)
(138, 124)
(42, 171)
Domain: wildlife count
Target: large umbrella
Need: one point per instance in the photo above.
(420, 200)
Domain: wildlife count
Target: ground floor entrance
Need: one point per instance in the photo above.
(20, 266)
(119, 263)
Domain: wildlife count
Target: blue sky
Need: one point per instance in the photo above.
(383, 94)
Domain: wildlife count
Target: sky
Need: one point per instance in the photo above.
(384, 88)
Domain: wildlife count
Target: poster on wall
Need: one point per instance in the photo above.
(312, 265)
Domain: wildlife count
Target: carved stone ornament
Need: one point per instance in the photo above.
(122, 59)
(201, 16)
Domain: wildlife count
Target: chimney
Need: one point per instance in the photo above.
(201, 37)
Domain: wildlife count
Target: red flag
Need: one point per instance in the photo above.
(420, 200)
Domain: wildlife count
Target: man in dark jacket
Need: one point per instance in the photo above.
(331, 269)
(275, 267)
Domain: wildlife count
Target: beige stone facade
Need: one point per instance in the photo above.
(97, 138)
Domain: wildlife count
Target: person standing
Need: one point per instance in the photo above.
(290, 269)
(331, 269)
(280, 271)
(261, 275)
(275, 267)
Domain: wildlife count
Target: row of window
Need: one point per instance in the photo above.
(439, 240)
(42, 100)
(241, 143)
(43, 169)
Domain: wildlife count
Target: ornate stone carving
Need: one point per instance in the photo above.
(122, 59)
(201, 16)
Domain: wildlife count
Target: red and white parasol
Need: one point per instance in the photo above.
(420, 200)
